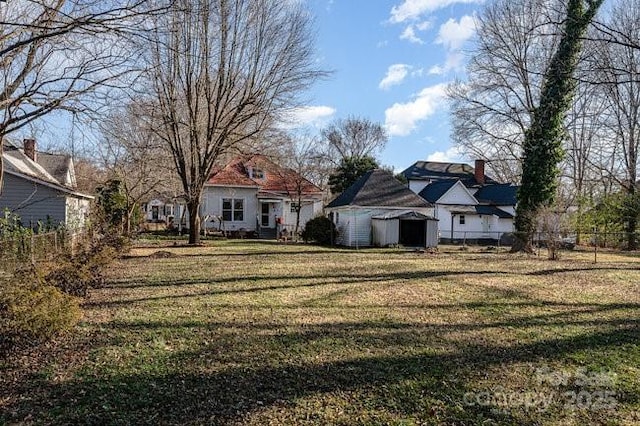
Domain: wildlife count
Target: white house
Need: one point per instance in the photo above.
(468, 204)
(253, 194)
(41, 187)
(159, 209)
(379, 210)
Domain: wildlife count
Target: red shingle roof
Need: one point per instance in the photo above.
(276, 179)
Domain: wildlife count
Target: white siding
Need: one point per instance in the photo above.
(418, 185)
(77, 212)
(310, 209)
(355, 224)
(458, 194)
(473, 228)
(212, 206)
(385, 232)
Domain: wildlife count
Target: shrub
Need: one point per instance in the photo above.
(32, 310)
(75, 275)
(321, 230)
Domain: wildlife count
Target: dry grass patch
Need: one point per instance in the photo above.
(250, 332)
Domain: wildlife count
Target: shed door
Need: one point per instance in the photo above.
(413, 233)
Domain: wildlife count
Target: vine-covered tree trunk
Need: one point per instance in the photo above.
(542, 149)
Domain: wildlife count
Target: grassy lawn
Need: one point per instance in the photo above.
(250, 332)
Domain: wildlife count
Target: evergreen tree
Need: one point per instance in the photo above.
(349, 170)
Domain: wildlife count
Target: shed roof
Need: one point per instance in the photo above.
(378, 188)
(403, 214)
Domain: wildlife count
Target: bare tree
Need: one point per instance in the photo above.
(619, 74)
(493, 108)
(54, 53)
(221, 71)
(132, 153)
(353, 137)
(297, 168)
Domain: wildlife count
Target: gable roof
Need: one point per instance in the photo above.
(275, 178)
(434, 191)
(59, 166)
(16, 162)
(498, 194)
(434, 170)
(378, 188)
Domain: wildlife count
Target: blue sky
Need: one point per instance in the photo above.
(392, 60)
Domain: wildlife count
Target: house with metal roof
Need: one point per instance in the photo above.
(469, 205)
(378, 210)
(41, 187)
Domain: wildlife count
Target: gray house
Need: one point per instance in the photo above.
(378, 210)
(40, 187)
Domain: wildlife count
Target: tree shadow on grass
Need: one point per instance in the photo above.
(429, 386)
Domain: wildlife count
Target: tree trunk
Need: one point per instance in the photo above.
(525, 227)
(631, 213)
(194, 220)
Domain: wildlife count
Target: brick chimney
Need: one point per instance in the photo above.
(479, 172)
(30, 148)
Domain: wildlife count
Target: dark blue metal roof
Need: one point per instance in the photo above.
(433, 170)
(434, 191)
(492, 210)
(498, 194)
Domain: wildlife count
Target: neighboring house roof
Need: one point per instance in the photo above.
(492, 210)
(59, 166)
(499, 194)
(273, 178)
(434, 170)
(16, 162)
(434, 191)
(378, 188)
(488, 195)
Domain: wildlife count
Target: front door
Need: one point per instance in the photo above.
(486, 226)
(155, 210)
(265, 215)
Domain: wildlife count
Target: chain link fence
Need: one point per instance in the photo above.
(35, 248)
(545, 243)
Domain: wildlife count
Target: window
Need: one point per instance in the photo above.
(258, 174)
(294, 207)
(232, 209)
(462, 219)
(238, 210)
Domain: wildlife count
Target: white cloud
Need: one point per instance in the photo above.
(454, 62)
(402, 118)
(307, 116)
(453, 34)
(395, 75)
(451, 155)
(436, 70)
(414, 9)
(409, 34)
